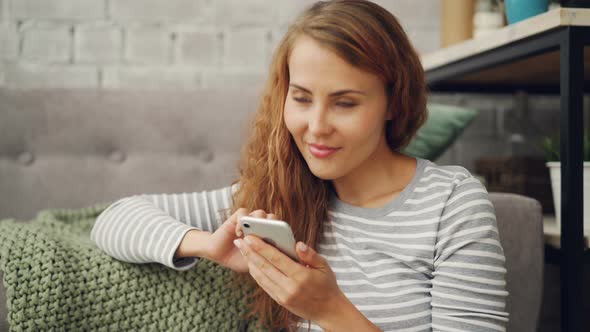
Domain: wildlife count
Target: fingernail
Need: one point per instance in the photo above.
(239, 233)
(303, 247)
(237, 243)
(248, 240)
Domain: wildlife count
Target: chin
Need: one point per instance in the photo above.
(325, 177)
(323, 173)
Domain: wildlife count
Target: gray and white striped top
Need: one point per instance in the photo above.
(429, 260)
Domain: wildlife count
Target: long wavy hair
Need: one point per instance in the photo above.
(273, 175)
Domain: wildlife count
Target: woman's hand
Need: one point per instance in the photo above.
(220, 248)
(309, 290)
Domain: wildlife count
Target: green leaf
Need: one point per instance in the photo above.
(551, 147)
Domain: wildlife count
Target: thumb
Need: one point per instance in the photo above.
(309, 256)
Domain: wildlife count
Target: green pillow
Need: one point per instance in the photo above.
(445, 123)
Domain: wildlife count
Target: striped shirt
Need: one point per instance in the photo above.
(428, 260)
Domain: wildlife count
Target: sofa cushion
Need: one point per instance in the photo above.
(444, 125)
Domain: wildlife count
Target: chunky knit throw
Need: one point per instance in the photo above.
(56, 279)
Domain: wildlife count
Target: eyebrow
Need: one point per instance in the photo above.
(337, 93)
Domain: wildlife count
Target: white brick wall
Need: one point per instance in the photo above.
(148, 45)
(98, 43)
(236, 13)
(122, 40)
(196, 11)
(46, 42)
(247, 48)
(50, 76)
(202, 47)
(9, 41)
(57, 9)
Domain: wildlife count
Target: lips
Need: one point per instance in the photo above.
(322, 147)
(321, 151)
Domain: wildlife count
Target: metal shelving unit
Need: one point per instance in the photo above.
(548, 54)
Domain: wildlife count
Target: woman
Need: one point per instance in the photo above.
(388, 241)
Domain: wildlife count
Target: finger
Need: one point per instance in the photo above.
(258, 213)
(263, 265)
(239, 213)
(269, 286)
(272, 216)
(230, 223)
(273, 257)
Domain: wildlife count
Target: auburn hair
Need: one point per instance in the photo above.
(273, 176)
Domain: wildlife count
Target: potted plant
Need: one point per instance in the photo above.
(551, 148)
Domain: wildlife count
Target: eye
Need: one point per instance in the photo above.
(346, 105)
(301, 100)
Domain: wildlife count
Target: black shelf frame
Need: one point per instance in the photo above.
(569, 41)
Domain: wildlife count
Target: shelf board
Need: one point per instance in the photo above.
(541, 71)
(538, 72)
(555, 18)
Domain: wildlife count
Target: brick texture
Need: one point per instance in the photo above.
(247, 48)
(57, 9)
(148, 45)
(202, 48)
(98, 44)
(54, 76)
(197, 11)
(47, 43)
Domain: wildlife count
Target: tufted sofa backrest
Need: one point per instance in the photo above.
(69, 148)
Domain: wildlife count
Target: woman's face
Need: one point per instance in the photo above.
(334, 104)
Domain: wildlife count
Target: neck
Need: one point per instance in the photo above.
(379, 176)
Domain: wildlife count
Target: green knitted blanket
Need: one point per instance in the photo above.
(57, 279)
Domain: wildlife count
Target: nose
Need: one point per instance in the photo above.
(319, 123)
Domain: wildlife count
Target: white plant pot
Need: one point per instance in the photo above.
(555, 173)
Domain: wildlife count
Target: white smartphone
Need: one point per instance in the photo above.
(277, 233)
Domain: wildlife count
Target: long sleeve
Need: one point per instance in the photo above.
(149, 228)
(468, 285)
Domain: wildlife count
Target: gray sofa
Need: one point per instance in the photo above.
(73, 148)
